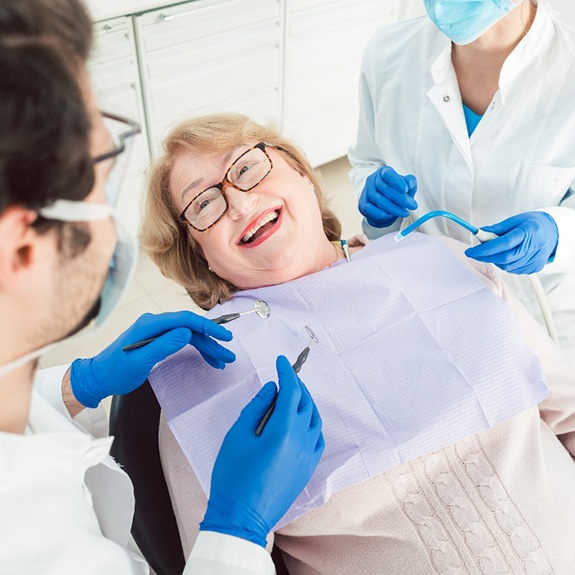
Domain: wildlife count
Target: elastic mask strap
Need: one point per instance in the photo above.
(68, 211)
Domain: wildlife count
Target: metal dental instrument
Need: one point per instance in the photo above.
(261, 308)
(301, 358)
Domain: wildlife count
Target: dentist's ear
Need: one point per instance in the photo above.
(18, 248)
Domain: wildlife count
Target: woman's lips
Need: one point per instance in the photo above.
(264, 226)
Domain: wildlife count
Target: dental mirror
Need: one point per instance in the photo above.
(261, 308)
(310, 332)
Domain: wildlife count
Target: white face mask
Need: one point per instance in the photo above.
(120, 272)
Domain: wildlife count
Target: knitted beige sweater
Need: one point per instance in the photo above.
(499, 502)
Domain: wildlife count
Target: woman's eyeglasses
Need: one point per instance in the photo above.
(245, 173)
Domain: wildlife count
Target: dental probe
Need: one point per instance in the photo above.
(483, 236)
(301, 358)
(261, 308)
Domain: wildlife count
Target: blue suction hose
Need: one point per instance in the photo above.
(483, 236)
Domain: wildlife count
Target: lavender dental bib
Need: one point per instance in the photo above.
(414, 354)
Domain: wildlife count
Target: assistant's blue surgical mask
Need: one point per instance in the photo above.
(120, 271)
(463, 21)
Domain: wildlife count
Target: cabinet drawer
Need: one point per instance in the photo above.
(322, 138)
(112, 40)
(262, 107)
(326, 91)
(299, 5)
(197, 89)
(212, 53)
(177, 25)
(342, 14)
(338, 46)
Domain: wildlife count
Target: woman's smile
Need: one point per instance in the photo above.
(261, 228)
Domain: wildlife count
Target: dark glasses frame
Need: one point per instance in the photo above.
(133, 130)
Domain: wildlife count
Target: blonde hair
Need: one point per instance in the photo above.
(167, 240)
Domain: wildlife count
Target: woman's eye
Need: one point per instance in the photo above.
(204, 204)
(243, 170)
(201, 205)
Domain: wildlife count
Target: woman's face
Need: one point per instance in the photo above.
(270, 234)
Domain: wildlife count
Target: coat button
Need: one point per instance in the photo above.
(446, 98)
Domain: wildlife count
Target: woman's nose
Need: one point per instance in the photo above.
(239, 203)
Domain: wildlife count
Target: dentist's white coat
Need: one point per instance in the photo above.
(521, 156)
(66, 507)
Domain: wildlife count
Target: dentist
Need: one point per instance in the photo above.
(66, 506)
(470, 110)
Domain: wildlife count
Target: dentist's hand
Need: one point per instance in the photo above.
(256, 479)
(525, 244)
(116, 372)
(387, 196)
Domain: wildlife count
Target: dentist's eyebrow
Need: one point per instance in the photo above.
(197, 182)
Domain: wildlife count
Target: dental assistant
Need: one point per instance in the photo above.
(470, 110)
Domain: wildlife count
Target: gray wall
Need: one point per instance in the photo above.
(566, 9)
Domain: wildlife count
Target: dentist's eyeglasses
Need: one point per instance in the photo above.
(245, 173)
(123, 133)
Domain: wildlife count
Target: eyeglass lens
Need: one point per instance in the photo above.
(244, 174)
(120, 161)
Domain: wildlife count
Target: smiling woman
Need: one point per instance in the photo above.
(254, 232)
(443, 453)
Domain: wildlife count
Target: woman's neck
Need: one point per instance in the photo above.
(478, 64)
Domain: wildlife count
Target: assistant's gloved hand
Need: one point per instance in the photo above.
(116, 372)
(387, 196)
(256, 479)
(525, 244)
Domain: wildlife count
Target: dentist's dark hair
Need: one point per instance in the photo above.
(44, 124)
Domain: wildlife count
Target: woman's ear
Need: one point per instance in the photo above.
(18, 246)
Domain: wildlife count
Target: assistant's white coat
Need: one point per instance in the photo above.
(521, 156)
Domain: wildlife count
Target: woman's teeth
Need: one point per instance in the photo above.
(266, 219)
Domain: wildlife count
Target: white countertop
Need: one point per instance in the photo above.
(104, 9)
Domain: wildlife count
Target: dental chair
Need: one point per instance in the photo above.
(134, 423)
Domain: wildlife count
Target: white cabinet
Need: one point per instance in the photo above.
(294, 62)
(114, 72)
(210, 56)
(325, 40)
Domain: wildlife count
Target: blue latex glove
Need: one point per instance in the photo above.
(387, 196)
(525, 244)
(116, 372)
(256, 479)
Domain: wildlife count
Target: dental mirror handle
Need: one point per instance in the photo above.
(300, 359)
(296, 367)
(226, 318)
(219, 320)
(139, 344)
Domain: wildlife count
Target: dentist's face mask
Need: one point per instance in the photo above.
(463, 21)
(124, 258)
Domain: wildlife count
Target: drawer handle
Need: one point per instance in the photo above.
(108, 28)
(166, 17)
